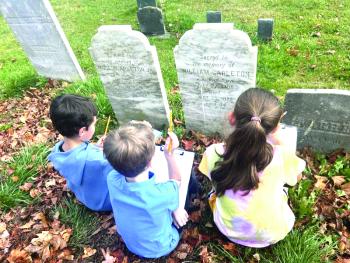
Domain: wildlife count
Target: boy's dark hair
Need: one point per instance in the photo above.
(70, 112)
(257, 113)
(130, 148)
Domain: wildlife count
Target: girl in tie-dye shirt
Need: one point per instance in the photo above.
(249, 172)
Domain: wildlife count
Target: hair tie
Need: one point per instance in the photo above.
(255, 118)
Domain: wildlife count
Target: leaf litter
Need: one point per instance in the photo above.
(33, 234)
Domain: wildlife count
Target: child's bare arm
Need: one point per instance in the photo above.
(174, 171)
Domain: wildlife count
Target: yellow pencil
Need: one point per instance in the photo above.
(171, 128)
(106, 130)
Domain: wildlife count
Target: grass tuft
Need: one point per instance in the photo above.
(83, 222)
(25, 165)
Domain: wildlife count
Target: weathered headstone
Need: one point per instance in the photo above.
(265, 29)
(215, 64)
(213, 17)
(130, 72)
(151, 20)
(37, 29)
(143, 3)
(322, 117)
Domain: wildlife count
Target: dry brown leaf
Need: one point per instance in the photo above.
(338, 180)
(107, 257)
(346, 188)
(40, 216)
(34, 192)
(19, 256)
(181, 255)
(66, 254)
(321, 182)
(88, 252)
(26, 187)
(28, 225)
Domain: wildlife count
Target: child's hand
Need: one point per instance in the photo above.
(180, 217)
(174, 143)
(101, 141)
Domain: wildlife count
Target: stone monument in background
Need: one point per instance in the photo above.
(322, 117)
(38, 31)
(215, 64)
(130, 72)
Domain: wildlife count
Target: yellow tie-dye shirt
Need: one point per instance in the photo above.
(262, 217)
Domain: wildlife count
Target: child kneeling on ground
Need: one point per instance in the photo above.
(80, 162)
(249, 172)
(143, 208)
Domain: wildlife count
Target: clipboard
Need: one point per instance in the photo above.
(184, 161)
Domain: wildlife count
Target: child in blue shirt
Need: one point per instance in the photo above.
(143, 209)
(80, 162)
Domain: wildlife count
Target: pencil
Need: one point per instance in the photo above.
(171, 128)
(106, 129)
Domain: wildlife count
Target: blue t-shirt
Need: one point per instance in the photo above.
(142, 213)
(85, 170)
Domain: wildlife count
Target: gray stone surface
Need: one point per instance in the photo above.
(213, 17)
(143, 3)
(151, 20)
(38, 31)
(130, 72)
(215, 64)
(322, 117)
(265, 29)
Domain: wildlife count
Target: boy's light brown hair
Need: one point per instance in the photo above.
(130, 148)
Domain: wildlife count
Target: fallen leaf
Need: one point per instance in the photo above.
(107, 257)
(88, 252)
(27, 225)
(26, 187)
(338, 180)
(346, 188)
(14, 179)
(19, 256)
(188, 144)
(321, 182)
(293, 52)
(230, 247)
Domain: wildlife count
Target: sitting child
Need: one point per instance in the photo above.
(80, 162)
(249, 171)
(145, 223)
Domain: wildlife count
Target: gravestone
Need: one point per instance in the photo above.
(151, 20)
(130, 72)
(38, 31)
(144, 3)
(322, 117)
(215, 64)
(265, 29)
(213, 17)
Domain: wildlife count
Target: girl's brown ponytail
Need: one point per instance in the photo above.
(257, 113)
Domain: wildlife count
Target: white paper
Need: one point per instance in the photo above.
(184, 161)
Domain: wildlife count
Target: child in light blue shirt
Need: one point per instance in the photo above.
(79, 161)
(143, 209)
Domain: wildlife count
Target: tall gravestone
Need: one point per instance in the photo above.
(215, 64)
(130, 72)
(37, 29)
(322, 117)
(151, 20)
(143, 3)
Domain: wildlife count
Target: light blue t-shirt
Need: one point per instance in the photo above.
(142, 213)
(85, 169)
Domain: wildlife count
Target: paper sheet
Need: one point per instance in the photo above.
(185, 162)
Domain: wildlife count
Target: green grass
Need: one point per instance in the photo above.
(82, 221)
(298, 247)
(295, 24)
(25, 165)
